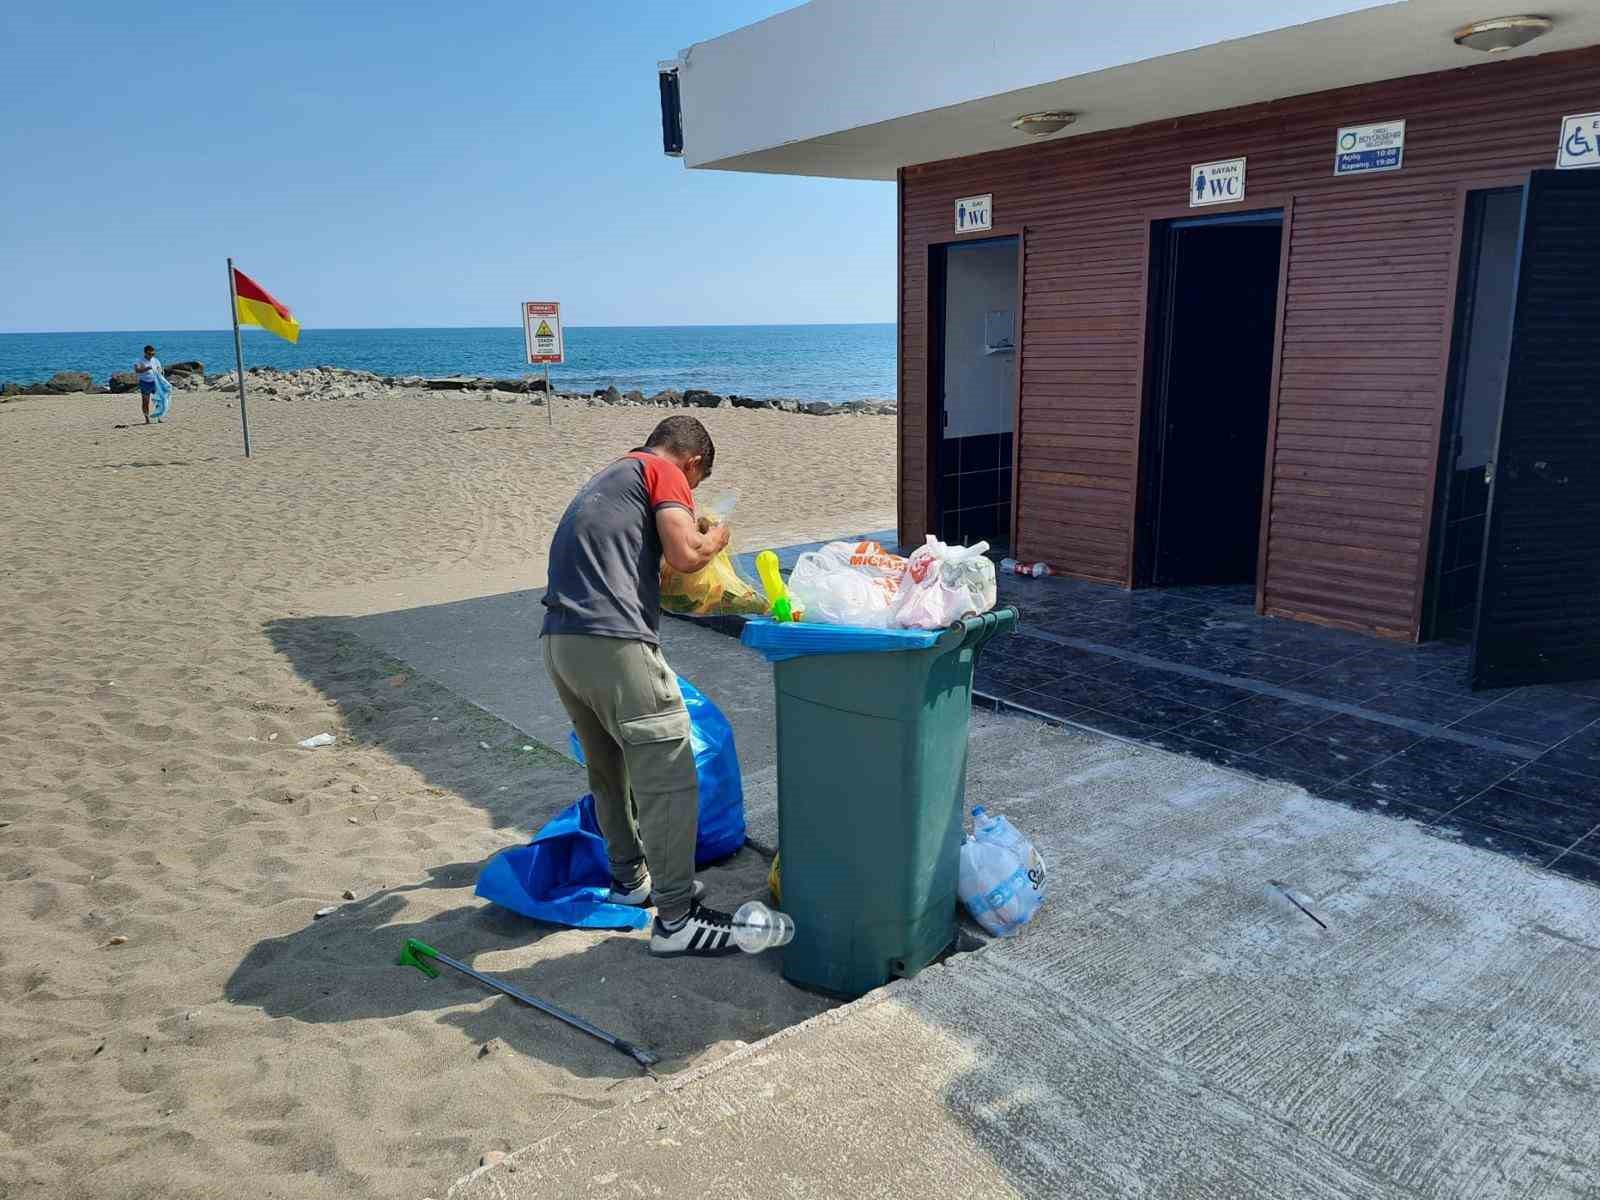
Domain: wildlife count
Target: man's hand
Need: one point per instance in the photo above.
(684, 547)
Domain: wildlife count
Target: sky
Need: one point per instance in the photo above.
(414, 163)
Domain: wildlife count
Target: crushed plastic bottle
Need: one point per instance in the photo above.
(1002, 877)
(757, 927)
(1010, 566)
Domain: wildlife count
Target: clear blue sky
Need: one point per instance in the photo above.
(417, 162)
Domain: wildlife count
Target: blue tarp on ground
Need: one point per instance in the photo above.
(781, 640)
(564, 875)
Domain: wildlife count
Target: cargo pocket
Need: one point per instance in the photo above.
(660, 758)
(658, 727)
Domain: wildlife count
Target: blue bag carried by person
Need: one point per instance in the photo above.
(564, 875)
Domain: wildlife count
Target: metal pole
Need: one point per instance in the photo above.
(409, 957)
(238, 358)
(549, 400)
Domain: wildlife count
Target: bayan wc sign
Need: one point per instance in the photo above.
(975, 213)
(1220, 182)
(541, 327)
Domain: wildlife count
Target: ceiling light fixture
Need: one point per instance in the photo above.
(1502, 33)
(1040, 123)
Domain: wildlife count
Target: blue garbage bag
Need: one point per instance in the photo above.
(564, 874)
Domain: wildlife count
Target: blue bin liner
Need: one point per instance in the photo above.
(564, 875)
(781, 640)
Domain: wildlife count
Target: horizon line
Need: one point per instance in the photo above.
(422, 328)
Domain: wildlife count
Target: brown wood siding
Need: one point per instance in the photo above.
(1370, 281)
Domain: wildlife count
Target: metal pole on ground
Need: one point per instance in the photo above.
(238, 358)
(549, 400)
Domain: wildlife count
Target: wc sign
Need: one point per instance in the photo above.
(1216, 182)
(975, 212)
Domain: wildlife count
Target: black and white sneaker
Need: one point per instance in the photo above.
(643, 896)
(705, 933)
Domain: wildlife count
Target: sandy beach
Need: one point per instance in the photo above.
(174, 1022)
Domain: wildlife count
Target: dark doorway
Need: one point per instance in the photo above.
(1210, 342)
(1538, 618)
(1476, 381)
(974, 335)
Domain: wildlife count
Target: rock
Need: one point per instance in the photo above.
(483, 745)
(667, 398)
(62, 383)
(123, 381)
(454, 384)
(700, 398)
(116, 940)
(349, 895)
(10, 389)
(324, 912)
(492, 1158)
(356, 789)
(189, 375)
(818, 408)
(612, 395)
(751, 402)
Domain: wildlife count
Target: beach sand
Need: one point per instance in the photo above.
(159, 620)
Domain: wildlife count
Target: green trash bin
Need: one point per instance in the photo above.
(872, 772)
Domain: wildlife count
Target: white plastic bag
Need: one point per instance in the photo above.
(847, 583)
(1002, 876)
(943, 584)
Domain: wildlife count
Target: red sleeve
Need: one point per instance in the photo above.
(665, 483)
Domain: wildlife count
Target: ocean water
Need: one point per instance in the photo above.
(806, 362)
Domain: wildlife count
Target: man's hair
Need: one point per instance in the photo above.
(685, 437)
(149, 349)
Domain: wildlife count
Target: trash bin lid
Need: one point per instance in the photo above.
(781, 640)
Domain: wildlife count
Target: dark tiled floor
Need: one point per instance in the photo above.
(1374, 725)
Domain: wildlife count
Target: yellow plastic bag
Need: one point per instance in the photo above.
(715, 590)
(775, 881)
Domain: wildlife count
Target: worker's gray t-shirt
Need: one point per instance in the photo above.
(605, 559)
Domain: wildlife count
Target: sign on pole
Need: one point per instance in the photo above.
(1580, 142)
(541, 325)
(1359, 149)
(974, 213)
(1219, 182)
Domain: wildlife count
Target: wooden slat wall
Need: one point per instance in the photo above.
(1367, 320)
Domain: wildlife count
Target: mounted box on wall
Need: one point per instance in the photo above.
(999, 331)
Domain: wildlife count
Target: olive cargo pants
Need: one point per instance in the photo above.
(629, 715)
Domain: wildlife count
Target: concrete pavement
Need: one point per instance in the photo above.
(1164, 1029)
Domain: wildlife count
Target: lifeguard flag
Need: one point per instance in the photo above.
(255, 306)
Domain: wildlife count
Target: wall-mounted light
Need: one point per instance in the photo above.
(1502, 33)
(1040, 123)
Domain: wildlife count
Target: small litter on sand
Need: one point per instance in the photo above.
(116, 940)
(325, 912)
(320, 739)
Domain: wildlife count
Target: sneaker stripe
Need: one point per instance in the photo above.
(694, 942)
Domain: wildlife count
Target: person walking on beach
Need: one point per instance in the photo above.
(153, 386)
(602, 648)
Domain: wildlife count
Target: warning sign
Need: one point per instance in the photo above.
(541, 328)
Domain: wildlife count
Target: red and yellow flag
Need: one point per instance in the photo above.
(255, 306)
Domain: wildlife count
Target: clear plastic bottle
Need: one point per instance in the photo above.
(757, 927)
(1010, 566)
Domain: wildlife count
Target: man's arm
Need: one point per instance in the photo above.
(684, 547)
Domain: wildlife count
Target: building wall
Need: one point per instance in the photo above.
(1368, 304)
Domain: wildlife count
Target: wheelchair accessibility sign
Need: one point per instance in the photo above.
(1580, 141)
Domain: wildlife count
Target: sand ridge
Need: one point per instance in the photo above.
(165, 625)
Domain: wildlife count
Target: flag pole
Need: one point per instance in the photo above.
(238, 357)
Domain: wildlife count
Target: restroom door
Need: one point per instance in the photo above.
(1539, 597)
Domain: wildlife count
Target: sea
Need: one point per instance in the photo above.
(833, 363)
